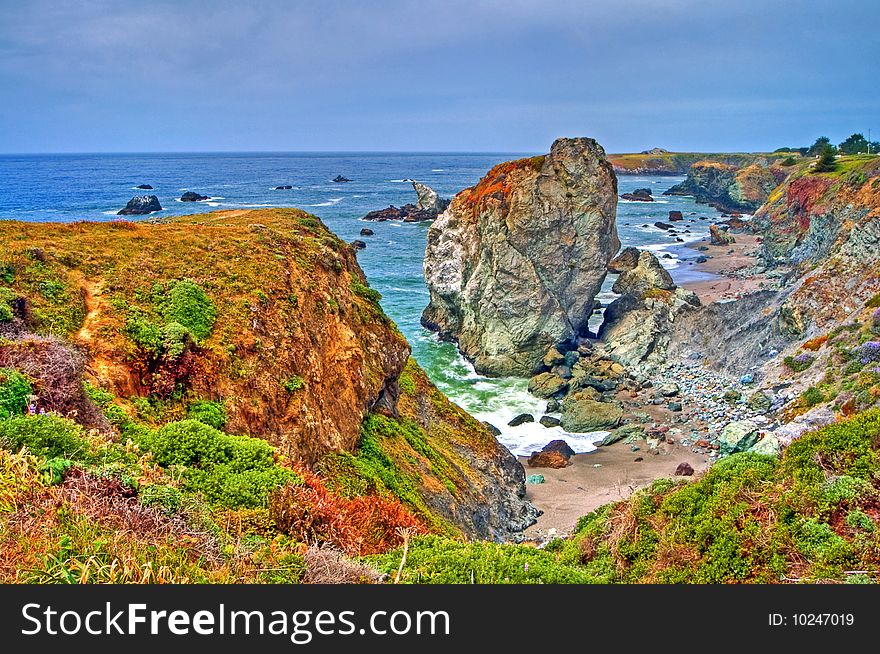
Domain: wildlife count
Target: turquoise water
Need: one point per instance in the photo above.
(94, 187)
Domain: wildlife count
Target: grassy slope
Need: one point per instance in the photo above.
(814, 514)
(678, 163)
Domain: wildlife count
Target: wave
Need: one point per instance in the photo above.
(328, 203)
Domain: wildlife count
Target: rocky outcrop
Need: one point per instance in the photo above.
(727, 187)
(639, 195)
(428, 199)
(192, 196)
(719, 236)
(514, 264)
(627, 259)
(428, 207)
(638, 324)
(140, 205)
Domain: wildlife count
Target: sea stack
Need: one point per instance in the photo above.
(514, 263)
(140, 205)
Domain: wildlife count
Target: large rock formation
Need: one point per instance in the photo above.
(638, 324)
(514, 263)
(428, 207)
(726, 187)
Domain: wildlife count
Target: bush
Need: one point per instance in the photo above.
(788, 161)
(165, 497)
(7, 295)
(294, 384)
(45, 435)
(186, 303)
(362, 290)
(799, 363)
(210, 413)
(15, 389)
(230, 470)
(812, 396)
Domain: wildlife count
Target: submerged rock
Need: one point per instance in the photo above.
(139, 205)
(144, 187)
(514, 264)
(340, 179)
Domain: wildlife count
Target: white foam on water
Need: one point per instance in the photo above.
(502, 399)
(328, 203)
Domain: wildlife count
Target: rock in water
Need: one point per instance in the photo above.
(521, 419)
(428, 198)
(719, 236)
(139, 205)
(639, 195)
(144, 187)
(514, 264)
(366, 231)
(550, 421)
(339, 179)
(358, 244)
(675, 216)
(546, 385)
(192, 196)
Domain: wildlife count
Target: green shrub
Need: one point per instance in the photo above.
(45, 435)
(859, 520)
(788, 161)
(362, 290)
(165, 497)
(210, 413)
(53, 470)
(7, 296)
(186, 303)
(15, 389)
(812, 396)
(438, 560)
(294, 384)
(799, 363)
(230, 470)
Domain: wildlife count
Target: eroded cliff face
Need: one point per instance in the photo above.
(266, 318)
(727, 187)
(514, 264)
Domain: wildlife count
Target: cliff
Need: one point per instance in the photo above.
(679, 163)
(515, 262)
(261, 324)
(728, 188)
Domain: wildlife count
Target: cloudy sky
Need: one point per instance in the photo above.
(434, 75)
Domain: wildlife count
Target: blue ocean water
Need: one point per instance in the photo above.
(96, 186)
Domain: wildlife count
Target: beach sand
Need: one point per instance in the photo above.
(607, 474)
(725, 261)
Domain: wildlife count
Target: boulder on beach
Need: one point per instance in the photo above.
(738, 436)
(547, 460)
(718, 236)
(560, 446)
(192, 196)
(339, 179)
(139, 205)
(584, 414)
(684, 469)
(645, 276)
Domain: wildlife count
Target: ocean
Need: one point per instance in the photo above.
(95, 186)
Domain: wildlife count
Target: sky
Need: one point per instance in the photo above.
(426, 75)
